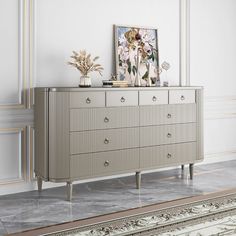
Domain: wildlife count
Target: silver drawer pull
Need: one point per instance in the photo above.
(122, 99)
(88, 100)
(169, 155)
(106, 163)
(182, 97)
(154, 98)
(106, 120)
(106, 141)
(169, 116)
(169, 135)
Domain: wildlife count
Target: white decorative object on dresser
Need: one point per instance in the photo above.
(87, 133)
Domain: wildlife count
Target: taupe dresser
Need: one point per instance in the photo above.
(87, 133)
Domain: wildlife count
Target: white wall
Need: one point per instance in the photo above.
(37, 45)
(66, 25)
(212, 65)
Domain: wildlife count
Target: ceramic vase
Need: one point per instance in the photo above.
(85, 81)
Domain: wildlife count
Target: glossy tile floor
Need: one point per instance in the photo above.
(22, 211)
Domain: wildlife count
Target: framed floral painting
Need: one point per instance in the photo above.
(136, 50)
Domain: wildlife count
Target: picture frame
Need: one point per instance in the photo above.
(137, 54)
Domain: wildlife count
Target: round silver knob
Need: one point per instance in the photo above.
(169, 135)
(182, 97)
(106, 120)
(122, 99)
(169, 116)
(88, 100)
(106, 141)
(106, 163)
(169, 155)
(154, 98)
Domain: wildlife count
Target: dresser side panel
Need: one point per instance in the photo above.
(59, 162)
(200, 134)
(41, 133)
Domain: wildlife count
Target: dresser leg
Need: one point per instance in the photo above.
(138, 179)
(69, 190)
(40, 183)
(191, 171)
(182, 167)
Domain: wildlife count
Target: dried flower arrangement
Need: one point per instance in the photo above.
(84, 63)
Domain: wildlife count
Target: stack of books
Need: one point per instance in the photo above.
(115, 83)
(120, 83)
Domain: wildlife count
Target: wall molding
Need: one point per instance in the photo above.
(22, 24)
(219, 107)
(184, 42)
(22, 154)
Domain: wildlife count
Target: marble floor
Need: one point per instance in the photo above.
(22, 211)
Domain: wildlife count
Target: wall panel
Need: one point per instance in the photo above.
(13, 155)
(12, 50)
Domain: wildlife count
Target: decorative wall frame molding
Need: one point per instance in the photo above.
(22, 155)
(22, 24)
(31, 176)
(184, 42)
(220, 107)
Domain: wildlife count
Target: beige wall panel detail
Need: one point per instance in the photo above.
(103, 140)
(121, 98)
(167, 114)
(59, 147)
(104, 163)
(87, 99)
(200, 134)
(181, 96)
(166, 134)
(153, 97)
(41, 133)
(175, 154)
(103, 118)
(13, 155)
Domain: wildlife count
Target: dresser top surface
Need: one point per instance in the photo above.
(90, 89)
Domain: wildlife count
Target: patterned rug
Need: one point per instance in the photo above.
(209, 215)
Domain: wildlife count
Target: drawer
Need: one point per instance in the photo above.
(167, 134)
(181, 96)
(104, 163)
(103, 118)
(87, 99)
(103, 140)
(167, 114)
(157, 156)
(122, 98)
(153, 97)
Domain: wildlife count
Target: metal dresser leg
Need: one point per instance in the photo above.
(191, 170)
(138, 179)
(69, 187)
(40, 183)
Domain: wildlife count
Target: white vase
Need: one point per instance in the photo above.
(85, 81)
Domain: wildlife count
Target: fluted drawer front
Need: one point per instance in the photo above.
(104, 163)
(103, 118)
(166, 134)
(103, 140)
(121, 98)
(181, 96)
(167, 114)
(153, 97)
(87, 99)
(157, 156)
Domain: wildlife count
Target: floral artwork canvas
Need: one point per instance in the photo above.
(136, 54)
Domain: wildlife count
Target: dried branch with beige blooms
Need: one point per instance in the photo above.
(84, 63)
